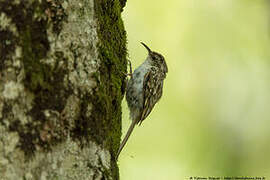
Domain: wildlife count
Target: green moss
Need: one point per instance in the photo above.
(123, 4)
(113, 54)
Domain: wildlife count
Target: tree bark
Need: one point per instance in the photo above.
(62, 66)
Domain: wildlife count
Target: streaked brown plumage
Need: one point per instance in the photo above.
(144, 89)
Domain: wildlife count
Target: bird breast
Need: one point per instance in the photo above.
(134, 93)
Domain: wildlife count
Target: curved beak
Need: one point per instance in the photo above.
(148, 49)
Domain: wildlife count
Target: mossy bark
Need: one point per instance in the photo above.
(62, 66)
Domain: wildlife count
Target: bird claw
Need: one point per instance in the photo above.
(127, 74)
(130, 68)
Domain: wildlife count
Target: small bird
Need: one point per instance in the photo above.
(144, 89)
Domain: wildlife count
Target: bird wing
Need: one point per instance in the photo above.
(152, 86)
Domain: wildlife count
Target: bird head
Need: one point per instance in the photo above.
(156, 59)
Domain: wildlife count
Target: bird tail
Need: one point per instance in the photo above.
(130, 129)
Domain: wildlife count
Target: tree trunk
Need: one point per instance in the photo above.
(62, 66)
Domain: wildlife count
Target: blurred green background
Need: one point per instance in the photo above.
(213, 118)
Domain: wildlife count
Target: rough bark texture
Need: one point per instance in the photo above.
(61, 87)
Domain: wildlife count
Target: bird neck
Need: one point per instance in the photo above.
(149, 61)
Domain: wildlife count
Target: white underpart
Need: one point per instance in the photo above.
(139, 73)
